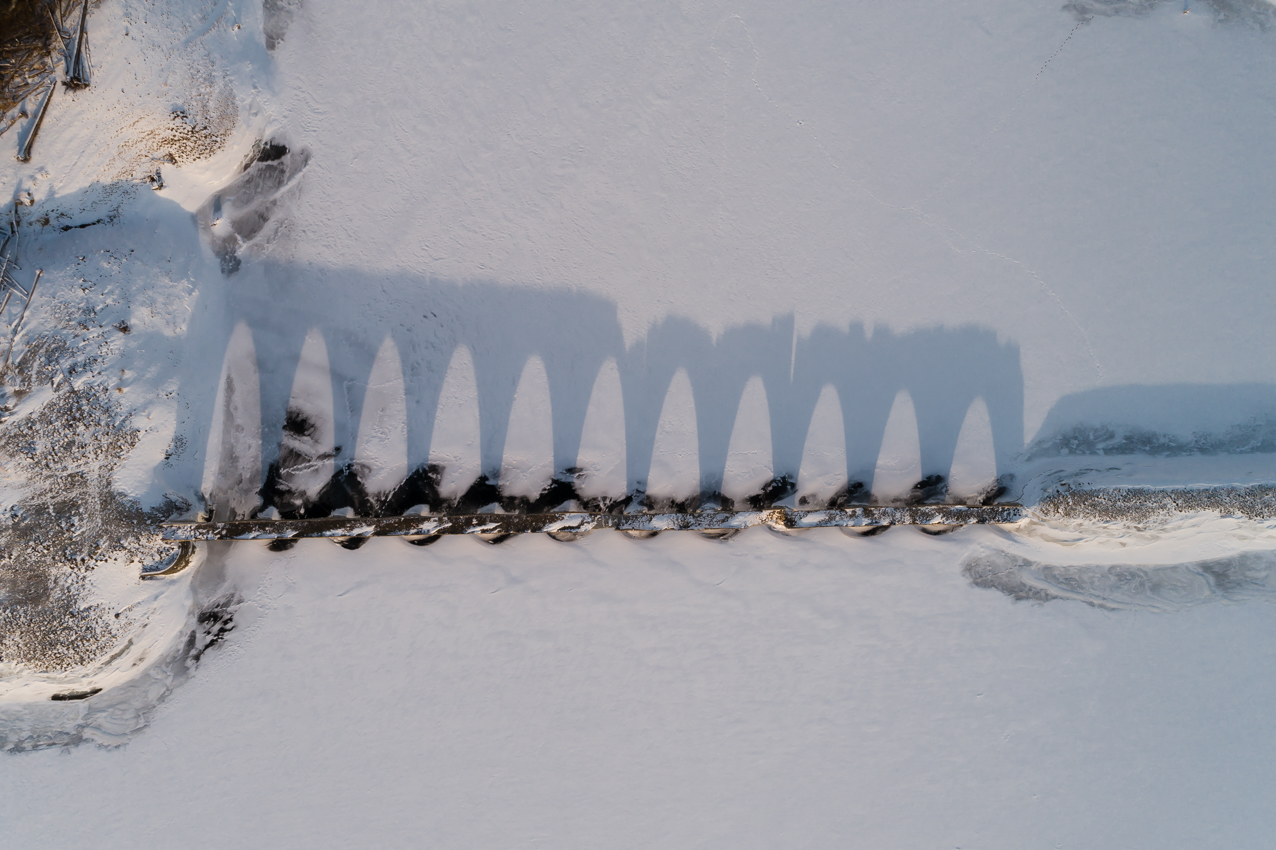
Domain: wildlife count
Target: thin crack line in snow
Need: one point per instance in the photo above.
(1089, 347)
(913, 210)
(1014, 107)
(1085, 337)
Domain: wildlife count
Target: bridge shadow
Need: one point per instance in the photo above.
(241, 369)
(1167, 420)
(574, 334)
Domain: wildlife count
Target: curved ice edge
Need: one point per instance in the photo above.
(108, 705)
(1243, 577)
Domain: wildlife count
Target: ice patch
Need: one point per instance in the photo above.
(242, 214)
(1258, 436)
(276, 17)
(1258, 12)
(1244, 577)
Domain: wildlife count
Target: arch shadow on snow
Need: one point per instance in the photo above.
(574, 334)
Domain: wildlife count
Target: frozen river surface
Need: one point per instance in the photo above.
(767, 692)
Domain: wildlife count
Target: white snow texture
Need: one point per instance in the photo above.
(680, 250)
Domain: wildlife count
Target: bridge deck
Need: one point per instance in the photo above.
(567, 522)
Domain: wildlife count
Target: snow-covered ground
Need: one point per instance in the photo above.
(678, 249)
(767, 692)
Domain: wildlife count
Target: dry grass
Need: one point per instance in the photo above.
(69, 521)
(29, 44)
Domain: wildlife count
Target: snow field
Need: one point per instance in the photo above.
(817, 691)
(679, 248)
